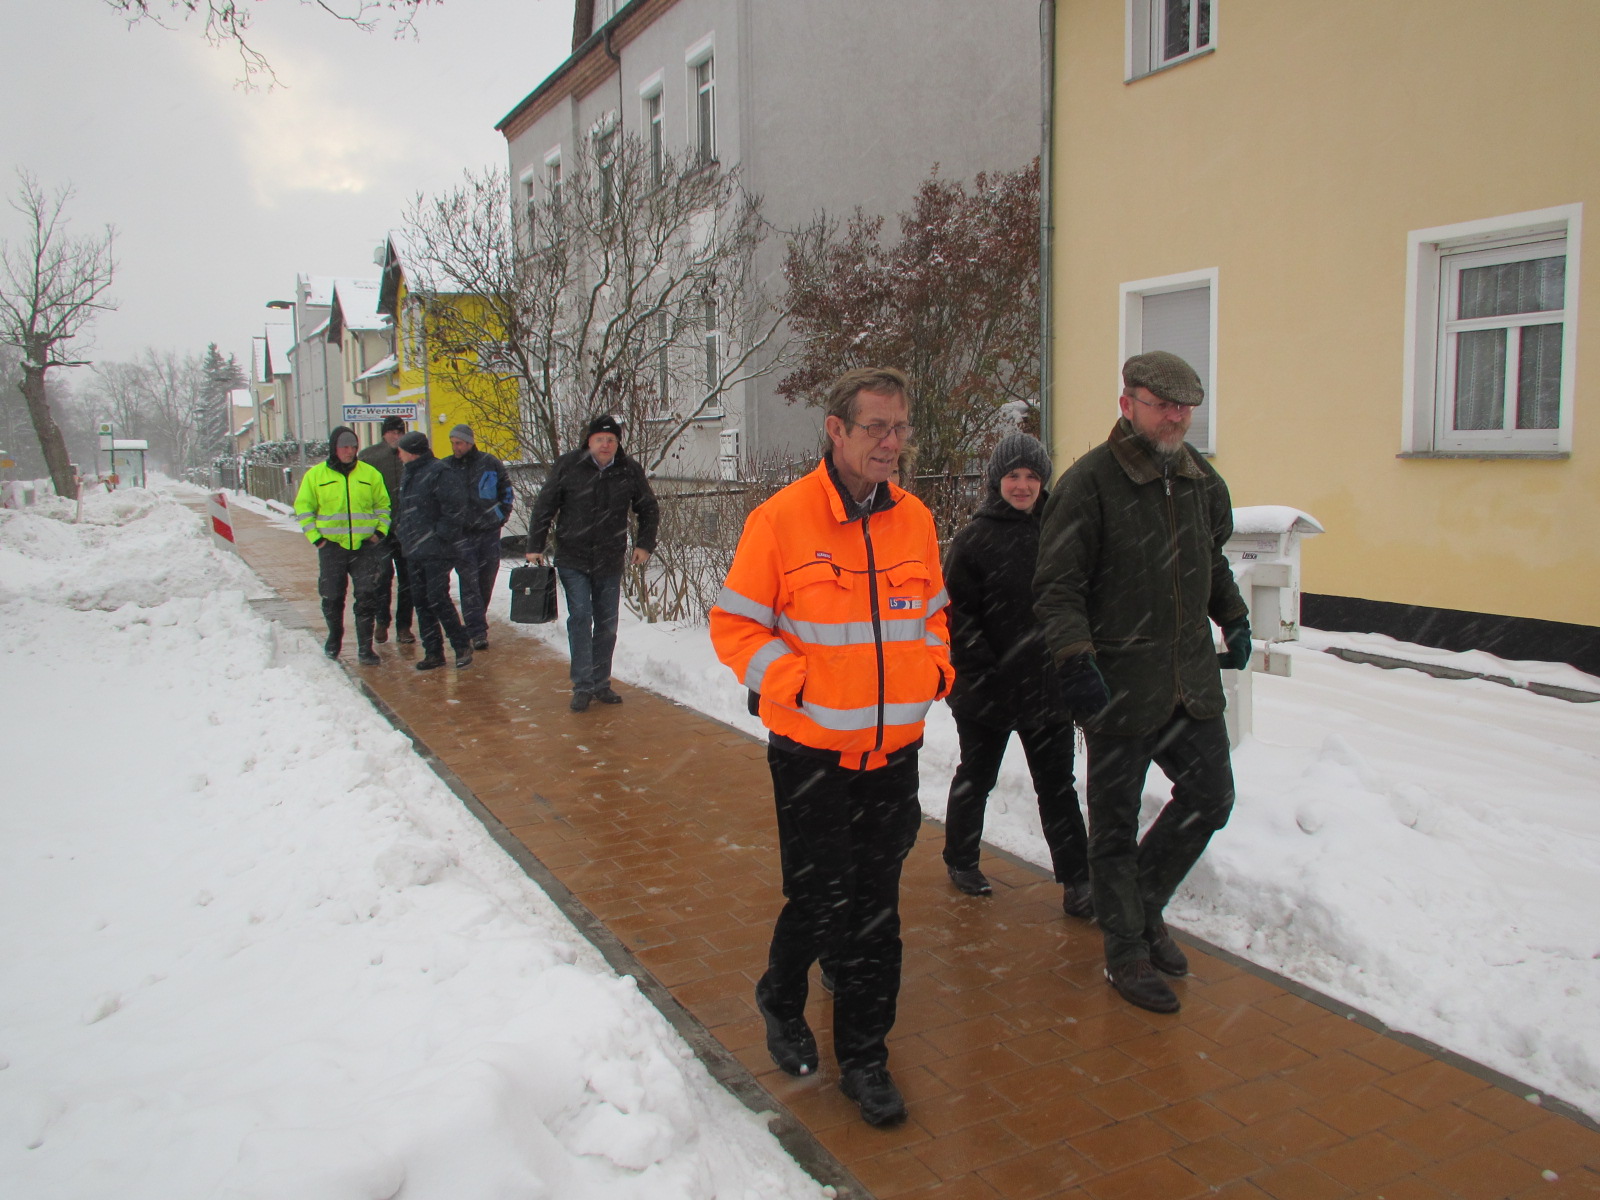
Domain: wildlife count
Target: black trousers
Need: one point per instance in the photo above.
(337, 569)
(477, 565)
(394, 587)
(1049, 751)
(430, 592)
(842, 837)
(1135, 877)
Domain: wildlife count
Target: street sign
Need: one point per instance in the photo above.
(377, 412)
(105, 428)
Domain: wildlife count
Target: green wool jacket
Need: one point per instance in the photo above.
(345, 509)
(1130, 568)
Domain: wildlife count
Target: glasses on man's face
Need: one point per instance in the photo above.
(879, 430)
(1167, 408)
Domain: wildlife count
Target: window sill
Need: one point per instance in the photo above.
(1170, 63)
(1552, 455)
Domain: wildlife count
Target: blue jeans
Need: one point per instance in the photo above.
(592, 602)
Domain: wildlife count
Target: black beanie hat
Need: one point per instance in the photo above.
(393, 424)
(603, 424)
(415, 442)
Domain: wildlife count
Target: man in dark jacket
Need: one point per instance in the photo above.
(433, 504)
(488, 508)
(393, 582)
(1130, 569)
(588, 496)
(1005, 680)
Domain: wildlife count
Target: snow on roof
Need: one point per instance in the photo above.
(258, 358)
(1274, 518)
(323, 328)
(245, 428)
(279, 340)
(242, 398)
(318, 289)
(357, 301)
(381, 367)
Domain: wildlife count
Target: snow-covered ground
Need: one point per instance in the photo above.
(251, 947)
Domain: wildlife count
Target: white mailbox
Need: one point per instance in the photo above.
(1264, 553)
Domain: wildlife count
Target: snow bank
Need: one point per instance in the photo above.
(252, 947)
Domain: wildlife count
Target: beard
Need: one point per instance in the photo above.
(1167, 451)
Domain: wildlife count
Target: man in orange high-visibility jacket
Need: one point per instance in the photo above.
(833, 616)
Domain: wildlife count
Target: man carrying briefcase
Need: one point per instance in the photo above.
(533, 594)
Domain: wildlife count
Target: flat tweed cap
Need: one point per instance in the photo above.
(1164, 374)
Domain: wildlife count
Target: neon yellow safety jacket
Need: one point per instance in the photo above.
(345, 509)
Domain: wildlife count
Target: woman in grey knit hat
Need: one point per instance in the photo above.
(1005, 681)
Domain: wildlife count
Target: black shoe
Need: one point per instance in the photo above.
(332, 645)
(1166, 955)
(480, 643)
(1077, 900)
(1138, 983)
(367, 656)
(428, 662)
(463, 657)
(872, 1088)
(790, 1042)
(382, 634)
(580, 702)
(606, 696)
(405, 637)
(972, 882)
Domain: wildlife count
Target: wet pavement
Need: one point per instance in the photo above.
(1025, 1075)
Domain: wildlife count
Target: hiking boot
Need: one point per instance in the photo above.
(580, 702)
(790, 1042)
(1077, 900)
(382, 634)
(1138, 983)
(463, 657)
(606, 696)
(367, 656)
(973, 882)
(332, 645)
(429, 662)
(405, 637)
(1165, 954)
(872, 1088)
(480, 643)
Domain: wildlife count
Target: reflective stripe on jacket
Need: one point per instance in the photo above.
(838, 620)
(345, 509)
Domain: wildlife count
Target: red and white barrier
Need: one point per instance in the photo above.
(221, 522)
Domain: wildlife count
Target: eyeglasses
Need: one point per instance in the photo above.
(879, 430)
(1167, 408)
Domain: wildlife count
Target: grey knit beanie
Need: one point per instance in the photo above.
(1018, 450)
(463, 433)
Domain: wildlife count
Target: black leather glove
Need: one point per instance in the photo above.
(1237, 635)
(1083, 688)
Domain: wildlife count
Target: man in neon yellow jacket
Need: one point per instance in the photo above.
(343, 507)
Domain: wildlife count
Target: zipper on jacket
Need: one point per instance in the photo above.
(1177, 582)
(877, 622)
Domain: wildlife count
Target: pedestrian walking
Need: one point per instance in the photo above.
(588, 497)
(1131, 574)
(343, 509)
(432, 507)
(833, 617)
(1005, 681)
(489, 500)
(394, 584)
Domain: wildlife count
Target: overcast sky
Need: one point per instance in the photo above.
(220, 195)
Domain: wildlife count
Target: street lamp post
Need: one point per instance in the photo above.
(294, 365)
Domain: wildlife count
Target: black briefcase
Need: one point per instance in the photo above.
(533, 594)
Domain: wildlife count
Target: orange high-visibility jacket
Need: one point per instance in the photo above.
(838, 622)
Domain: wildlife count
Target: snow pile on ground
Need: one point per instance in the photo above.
(253, 948)
(1425, 850)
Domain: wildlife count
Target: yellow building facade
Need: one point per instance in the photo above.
(1364, 224)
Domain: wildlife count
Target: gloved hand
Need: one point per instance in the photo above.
(320, 543)
(1237, 635)
(1083, 688)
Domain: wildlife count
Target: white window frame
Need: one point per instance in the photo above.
(1143, 52)
(653, 92)
(552, 174)
(603, 139)
(702, 53)
(1427, 369)
(1130, 335)
(713, 342)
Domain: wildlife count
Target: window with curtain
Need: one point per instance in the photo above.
(652, 120)
(1163, 32)
(705, 110)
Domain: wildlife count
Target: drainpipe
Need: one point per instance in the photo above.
(1047, 89)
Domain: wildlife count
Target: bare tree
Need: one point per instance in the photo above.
(630, 291)
(227, 22)
(52, 288)
(174, 388)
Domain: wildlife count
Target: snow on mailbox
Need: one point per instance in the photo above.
(1264, 553)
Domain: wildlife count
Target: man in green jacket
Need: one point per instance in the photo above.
(343, 507)
(1130, 576)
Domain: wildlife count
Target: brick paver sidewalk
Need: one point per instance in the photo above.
(1025, 1076)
